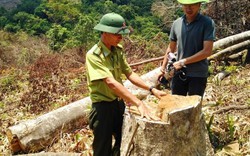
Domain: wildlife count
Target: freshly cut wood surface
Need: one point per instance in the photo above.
(168, 104)
(174, 102)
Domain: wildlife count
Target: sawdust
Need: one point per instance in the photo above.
(175, 102)
(171, 103)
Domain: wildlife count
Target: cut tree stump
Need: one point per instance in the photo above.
(181, 131)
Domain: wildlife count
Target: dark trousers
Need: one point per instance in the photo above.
(106, 120)
(188, 85)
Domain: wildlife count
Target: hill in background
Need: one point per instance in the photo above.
(9, 4)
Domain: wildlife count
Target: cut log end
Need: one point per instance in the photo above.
(33, 135)
(14, 142)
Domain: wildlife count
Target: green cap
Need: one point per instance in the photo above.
(191, 1)
(112, 23)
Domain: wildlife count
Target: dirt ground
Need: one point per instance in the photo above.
(226, 106)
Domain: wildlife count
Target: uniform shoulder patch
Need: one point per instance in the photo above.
(95, 50)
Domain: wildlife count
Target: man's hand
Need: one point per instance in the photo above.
(145, 111)
(179, 64)
(158, 93)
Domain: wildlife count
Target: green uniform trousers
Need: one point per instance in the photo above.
(106, 120)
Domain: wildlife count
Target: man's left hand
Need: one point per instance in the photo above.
(158, 93)
(179, 64)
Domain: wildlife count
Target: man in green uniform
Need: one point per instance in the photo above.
(105, 64)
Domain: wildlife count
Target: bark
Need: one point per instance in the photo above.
(34, 135)
(181, 131)
(228, 51)
(220, 76)
(151, 79)
(237, 56)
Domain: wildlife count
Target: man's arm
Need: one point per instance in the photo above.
(122, 92)
(136, 80)
(201, 55)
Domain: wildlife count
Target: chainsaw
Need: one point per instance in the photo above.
(171, 71)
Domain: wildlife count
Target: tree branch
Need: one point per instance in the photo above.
(228, 108)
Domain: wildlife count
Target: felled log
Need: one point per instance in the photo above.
(151, 79)
(230, 50)
(231, 40)
(180, 132)
(34, 135)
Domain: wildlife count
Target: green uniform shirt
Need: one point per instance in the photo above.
(102, 63)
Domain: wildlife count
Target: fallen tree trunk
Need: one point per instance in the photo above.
(34, 135)
(220, 76)
(151, 79)
(228, 51)
(231, 40)
(180, 132)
